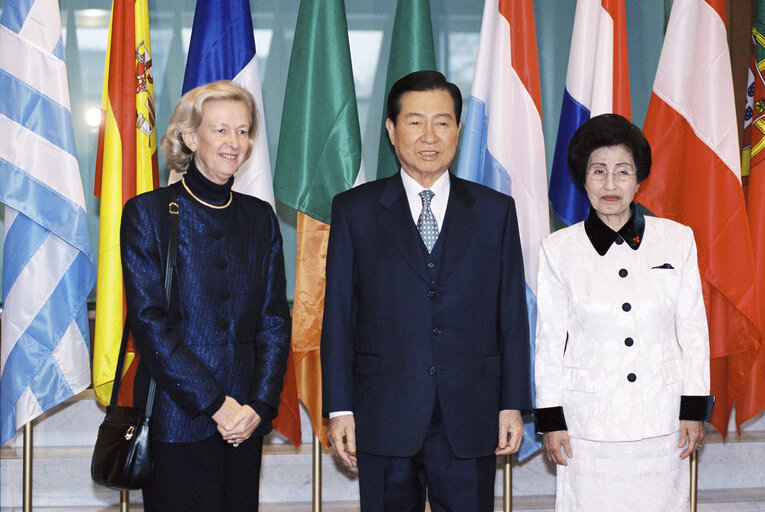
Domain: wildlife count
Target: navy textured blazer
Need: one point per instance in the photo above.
(394, 339)
(228, 328)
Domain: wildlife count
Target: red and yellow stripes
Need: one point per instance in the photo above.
(126, 165)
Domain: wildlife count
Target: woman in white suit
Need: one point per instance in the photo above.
(622, 349)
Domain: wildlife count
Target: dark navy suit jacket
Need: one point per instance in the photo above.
(393, 338)
(228, 328)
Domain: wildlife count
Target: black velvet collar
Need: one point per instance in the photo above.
(602, 236)
(205, 189)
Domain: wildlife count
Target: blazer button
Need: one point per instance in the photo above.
(629, 342)
(223, 324)
(626, 306)
(632, 377)
(623, 272)
(221, 264)
(437, 331)
(431, 294)
(217, 234)
(432, 370)
(431, 264)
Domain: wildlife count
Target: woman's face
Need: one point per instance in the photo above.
(220, 143)
(611, 184)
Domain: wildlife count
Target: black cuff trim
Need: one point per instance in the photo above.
(550, 419)
(696, 407)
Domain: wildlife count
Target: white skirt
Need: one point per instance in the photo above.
(635, 476)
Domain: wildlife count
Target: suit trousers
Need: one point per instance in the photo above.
(400, 484)
(205, 476)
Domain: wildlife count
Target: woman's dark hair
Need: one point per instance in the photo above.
(422, 81)
(603, 131)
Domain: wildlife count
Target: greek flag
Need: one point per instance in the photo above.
(48, 264)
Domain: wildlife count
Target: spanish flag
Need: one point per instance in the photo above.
(126, 165)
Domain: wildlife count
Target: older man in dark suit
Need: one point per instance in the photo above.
(425, 344)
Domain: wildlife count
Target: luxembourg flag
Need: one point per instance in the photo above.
(222, 47)
(503, 144)
(597, 82)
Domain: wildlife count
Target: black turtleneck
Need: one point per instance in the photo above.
(601, 236)
(205, 189)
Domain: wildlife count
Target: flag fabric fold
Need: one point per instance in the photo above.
(222, 47)
(597, 82)
(126, 165)
(411, 49)
(695, 179)
(48, 263)
(319, 156)
(502, 140)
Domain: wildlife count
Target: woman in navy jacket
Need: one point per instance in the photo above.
(219, 353)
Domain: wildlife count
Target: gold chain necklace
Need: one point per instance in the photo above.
(217, 207)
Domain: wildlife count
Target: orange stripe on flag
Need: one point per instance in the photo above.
(307, 313)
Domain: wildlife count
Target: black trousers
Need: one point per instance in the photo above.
(400, 484)
(205, 476)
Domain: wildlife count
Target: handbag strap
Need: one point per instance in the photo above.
(172, 258)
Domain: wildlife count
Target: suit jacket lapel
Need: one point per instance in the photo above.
(396, 222)
(459, 225)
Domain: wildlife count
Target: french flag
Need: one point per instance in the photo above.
(502, 143)
(597, 82)
(222, 47)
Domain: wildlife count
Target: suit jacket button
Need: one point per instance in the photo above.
(436, 331)
(432, 370)
(629, 341)
(431, 294)
(431, 264)
(223, 324)
(221, 264)
(623, 272)
(632, 377)
(626, 306)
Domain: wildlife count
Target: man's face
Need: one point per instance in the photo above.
(425, 134)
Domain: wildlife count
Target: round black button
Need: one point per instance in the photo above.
(436, 331)
(619, 240)
(632, 377)
(431, 294)
(225, 294)
(223, 324)
(217, 234)
(221, 264)
(431, 264)
(626, 306)
(629, 342)
(432, 370)
(623, 272)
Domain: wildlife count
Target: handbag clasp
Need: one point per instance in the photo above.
(129, 433)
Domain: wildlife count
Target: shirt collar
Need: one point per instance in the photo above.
(440, 189)
(601, 236)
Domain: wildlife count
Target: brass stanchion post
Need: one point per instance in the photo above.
(27, 469)
(694, 480)
(124, 501)
(316, 474)
(507, 485)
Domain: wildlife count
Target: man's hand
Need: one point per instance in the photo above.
(691, 433)
(510, 432)
(552, 444)
(342, 432)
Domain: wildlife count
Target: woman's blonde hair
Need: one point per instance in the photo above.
(187, 117)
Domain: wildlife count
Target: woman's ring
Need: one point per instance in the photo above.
(235, 445)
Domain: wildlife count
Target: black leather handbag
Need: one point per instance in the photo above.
(122, 454)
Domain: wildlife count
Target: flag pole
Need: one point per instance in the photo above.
(694, 480)
(316, 474)
(124, 501)
(27, 485)
(507, 487)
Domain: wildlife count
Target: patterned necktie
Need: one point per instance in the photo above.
(426, 224)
